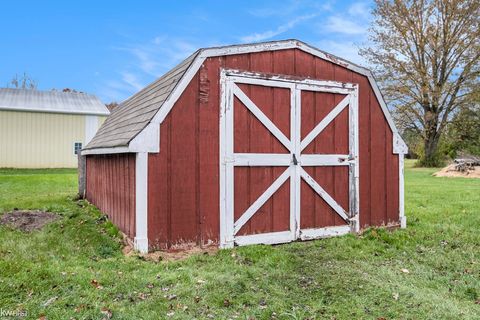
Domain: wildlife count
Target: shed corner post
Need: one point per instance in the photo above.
(401, 191)
(82, 175)
(141, 202)
(401, 148)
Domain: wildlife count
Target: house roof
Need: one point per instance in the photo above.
(149, 107)
(51, 101)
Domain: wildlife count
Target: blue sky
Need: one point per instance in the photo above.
(114, 48)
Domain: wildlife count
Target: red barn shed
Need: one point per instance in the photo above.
(258, 143)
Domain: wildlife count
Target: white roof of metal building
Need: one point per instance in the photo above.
(51, 101)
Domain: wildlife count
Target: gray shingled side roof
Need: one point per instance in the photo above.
(51, 101)
(135, 113)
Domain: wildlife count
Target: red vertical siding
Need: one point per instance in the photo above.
(183, 186)
(392, 176)
(378, 189)
(159, 186)
(111, 187)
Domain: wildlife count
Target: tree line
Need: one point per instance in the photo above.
(425, 55)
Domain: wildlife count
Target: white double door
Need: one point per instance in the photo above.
(247, 95)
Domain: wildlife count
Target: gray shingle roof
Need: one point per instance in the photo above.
(51, 101)
(135, 113)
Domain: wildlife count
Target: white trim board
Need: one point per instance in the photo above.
(106, 150)
(141, 202)
(399, 145)
(401, 191)
(318, 233)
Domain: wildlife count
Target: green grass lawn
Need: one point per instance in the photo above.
(74, 267)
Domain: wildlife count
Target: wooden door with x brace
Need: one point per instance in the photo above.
(288, 159)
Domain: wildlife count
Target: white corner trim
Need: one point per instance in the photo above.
(147, 139)
(401, 191)
(141, 202)
(399, 146)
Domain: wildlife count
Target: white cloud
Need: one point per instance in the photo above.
(147, 61)
(279, 30)
(132, 80)
(159, 54)
(347, 50)
(286, 8)
(344, 25)
(115, 90)
(289, 8)
(359, 9)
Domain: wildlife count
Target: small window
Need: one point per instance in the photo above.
(77, 147)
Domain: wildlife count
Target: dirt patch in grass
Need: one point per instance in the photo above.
(174, 254)
(449, 171)
(27, 220)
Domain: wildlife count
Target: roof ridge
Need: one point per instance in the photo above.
(32, 100)
(60, 91)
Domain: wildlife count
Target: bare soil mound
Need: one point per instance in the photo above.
(449, 171)
(174, 254)
(27, 220)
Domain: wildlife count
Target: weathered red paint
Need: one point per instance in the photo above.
(110, 186)
(183, 186)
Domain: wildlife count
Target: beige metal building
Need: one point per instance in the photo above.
(45, 129)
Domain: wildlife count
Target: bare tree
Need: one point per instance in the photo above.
(425, 54)
(23, 82)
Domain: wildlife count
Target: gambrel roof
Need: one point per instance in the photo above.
(133, 126)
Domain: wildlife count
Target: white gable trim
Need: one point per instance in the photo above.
(399, 144)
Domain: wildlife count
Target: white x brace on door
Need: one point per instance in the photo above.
(294, 161)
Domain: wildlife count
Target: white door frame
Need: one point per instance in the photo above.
(293, 160)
